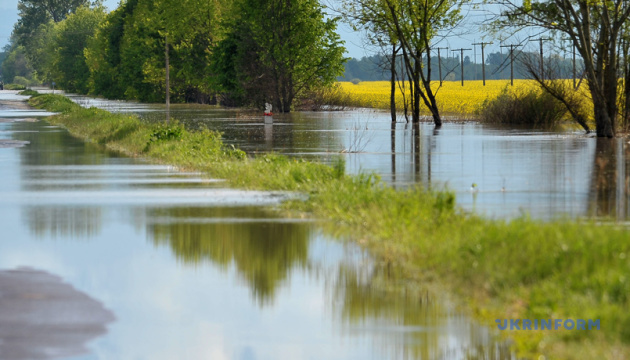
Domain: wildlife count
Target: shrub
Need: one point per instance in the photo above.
(532, 107)
(325, 98)
(22, 81)
(28, 92)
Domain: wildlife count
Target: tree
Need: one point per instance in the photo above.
(283, 48)
(32, 31)
(103, 53)
(15, 64)
(126, 58)
(595, 29)
(70, 38)
(415, 24)
(34, 13)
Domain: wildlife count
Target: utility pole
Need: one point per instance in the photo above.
(483, 60)
(462, 61)
(511, 62)
(542, 62)
(574, 69)
(168, 94)
(440, 63)
(574, 66)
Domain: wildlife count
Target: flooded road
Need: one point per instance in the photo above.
(543, 173)
(193, 270)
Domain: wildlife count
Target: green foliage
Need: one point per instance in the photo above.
(126, 58)
(70, 37)
(28, 93)
(24, 82)
(33, 30)
(54, 103)
(16, 64)
(14, 87)
(165, 133)
(103, 53)
(278, 50)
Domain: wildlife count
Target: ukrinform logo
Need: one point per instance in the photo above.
(547, 324)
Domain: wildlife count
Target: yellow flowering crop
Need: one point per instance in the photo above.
(452, 97)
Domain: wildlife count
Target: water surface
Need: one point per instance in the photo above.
(546, 174)
(193, 270)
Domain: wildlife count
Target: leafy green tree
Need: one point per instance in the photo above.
(127, 56)
(103, 53)
(281, 49)
(34, 13)
(70, 38)
(32, 31)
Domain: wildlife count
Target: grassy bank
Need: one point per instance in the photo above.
(522, 269)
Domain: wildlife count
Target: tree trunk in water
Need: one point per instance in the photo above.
(603, 121)
(435, 112)
(392, 97)
(604, 195)
(416, 91)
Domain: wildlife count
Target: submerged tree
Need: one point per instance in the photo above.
(414, 24)
(595, 29)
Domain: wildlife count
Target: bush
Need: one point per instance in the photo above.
(20, 80)
(28, 93)
(14, 87)
(533, 107)
(355, 81)
(325, 98)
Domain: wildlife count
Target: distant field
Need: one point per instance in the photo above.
(452, 97)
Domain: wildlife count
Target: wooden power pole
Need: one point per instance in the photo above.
(511, 62)
(461, 51)
(483, 60)
(440, 63)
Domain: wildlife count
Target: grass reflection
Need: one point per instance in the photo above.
(412, 323)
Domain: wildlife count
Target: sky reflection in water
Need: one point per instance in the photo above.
(190, 278)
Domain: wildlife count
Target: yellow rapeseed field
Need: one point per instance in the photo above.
(452, 97)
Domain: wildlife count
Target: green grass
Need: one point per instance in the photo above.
(522, 268)
(28, 92)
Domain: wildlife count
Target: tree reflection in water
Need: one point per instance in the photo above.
(610, 184)
(263, 249)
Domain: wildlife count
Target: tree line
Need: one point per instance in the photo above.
(244, 52)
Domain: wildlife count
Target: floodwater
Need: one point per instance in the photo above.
(190, 269)
(545, 174)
